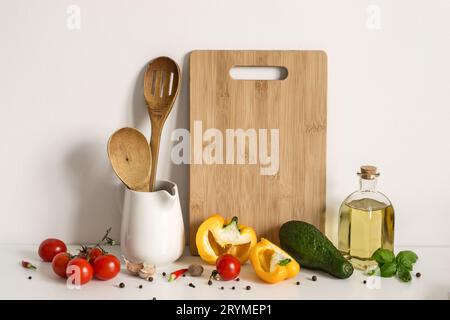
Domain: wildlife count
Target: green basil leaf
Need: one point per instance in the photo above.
(404, 263)
(388, 269)
(407, 255)
(404, 274)
(373, 270)
(284, 262)
(382, 256)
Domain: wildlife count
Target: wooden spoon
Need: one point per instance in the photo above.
(161, 84)
(130, 157)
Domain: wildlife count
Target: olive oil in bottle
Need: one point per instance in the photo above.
(366, 221)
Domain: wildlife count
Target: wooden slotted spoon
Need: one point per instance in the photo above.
(161, 84)
(130, 157)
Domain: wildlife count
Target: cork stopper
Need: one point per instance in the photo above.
(369, 172)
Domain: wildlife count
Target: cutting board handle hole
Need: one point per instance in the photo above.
(258, 73)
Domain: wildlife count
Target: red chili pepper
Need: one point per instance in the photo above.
(176, 274)
(28, 265)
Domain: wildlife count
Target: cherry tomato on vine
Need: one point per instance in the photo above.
(49, 248)
(228, 267)
(93, 254)
(80, 270)
(106, 267)
(59, 263)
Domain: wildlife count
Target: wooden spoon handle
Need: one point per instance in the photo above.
(144, 188)
(154, 147)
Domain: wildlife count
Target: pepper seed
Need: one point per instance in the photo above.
(365, 281)
(30, 277)
(163, 274)
(297, 283)
(150, 279)
(221, 288)
(121, 285)
(154, 298)
(314, 278)
(418, 275)
(191, 285)
(209, 282)
(248, 288)
(237, 279)
(232, 288)
(140, 286)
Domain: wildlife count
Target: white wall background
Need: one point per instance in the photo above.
(63, 92)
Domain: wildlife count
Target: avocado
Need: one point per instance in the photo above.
(312, 250)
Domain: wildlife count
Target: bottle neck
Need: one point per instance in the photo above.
(367, 184)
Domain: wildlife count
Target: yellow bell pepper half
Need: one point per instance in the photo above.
(216, 237)
(271, 263)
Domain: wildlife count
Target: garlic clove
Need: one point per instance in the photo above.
(133, 267)
(147, 271)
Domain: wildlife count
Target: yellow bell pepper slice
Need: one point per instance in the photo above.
(271, 263)
(216, 237)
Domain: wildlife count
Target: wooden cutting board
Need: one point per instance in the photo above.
(296, 106)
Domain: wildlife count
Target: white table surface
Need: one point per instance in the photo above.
(433, 264)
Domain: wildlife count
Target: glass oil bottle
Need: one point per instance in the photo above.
(366, 221)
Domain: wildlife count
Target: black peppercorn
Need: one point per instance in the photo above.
(297, 283)
(121, 285)
(209, 282)
(184, 275)
(248, 288)
(30, 277)
(237, 279)
(314, 278)
(221, 288)
(418, 275)
(232, 288)
(365, 281)
(150, 279)
(191, 285)
(154, 298)
(163, 274)
(140, 286)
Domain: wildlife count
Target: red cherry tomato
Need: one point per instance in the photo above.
(93, 254)
(49, 248)
(228, 267)
(59, 264)
(80, 271)
(106, 267)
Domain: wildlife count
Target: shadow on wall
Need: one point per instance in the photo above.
(180, 116)
(180, 173)
(139, 106)
(99, 197)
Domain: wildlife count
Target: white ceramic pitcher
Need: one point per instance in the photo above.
(152, 228)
